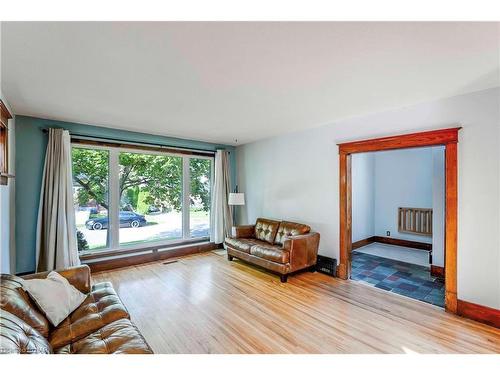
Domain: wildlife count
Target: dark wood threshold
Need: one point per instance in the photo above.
(154, 255)
(437, 271)
(483, 314)
(392, 241)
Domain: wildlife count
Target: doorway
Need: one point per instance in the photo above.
(444, 137)
(398, 222)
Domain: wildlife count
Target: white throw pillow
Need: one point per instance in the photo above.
(55, 296)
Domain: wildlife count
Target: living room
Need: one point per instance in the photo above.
(210, 187)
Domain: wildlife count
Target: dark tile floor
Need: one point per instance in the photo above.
(407, 279)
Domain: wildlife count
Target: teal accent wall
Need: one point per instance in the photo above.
(31, 143)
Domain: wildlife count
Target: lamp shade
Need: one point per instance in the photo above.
(236, 199)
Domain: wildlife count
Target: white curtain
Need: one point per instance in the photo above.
(56, 244)
(221, 218)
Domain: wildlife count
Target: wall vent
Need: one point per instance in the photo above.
(415, 220)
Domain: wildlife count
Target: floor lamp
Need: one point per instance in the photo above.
(236, 199)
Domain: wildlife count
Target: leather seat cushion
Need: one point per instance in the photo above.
(242, 244)
(265, 229)
(288, 229)
(272, 253)
(119, 337)
(17, 337)
(101, 307)
(16, 301)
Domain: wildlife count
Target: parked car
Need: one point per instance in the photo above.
(154, 210)
(127, 219)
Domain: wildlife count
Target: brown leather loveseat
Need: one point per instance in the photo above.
(100, 325)
(279, 246)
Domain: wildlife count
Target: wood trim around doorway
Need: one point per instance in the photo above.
(442, 137)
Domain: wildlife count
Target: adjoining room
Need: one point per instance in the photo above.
(398, 221)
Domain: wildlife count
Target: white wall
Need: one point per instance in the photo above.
(295, 177)
(438, 205)
(7, 247)
(363, 191)
(403, 178)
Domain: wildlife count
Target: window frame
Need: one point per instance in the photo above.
(5, 116)
(114, 247)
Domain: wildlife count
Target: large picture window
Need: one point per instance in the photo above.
(129, 198)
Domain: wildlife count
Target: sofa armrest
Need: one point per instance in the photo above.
(303, 249)
(243, 231)
(78, 276)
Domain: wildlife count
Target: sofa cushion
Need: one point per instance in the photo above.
(270, 252)
(16, 301)
(119, 337)
(242, 244)
(265, 230)
(102, 306)
(78, 276)
(17, 337)
(287, 229)
(55, 296)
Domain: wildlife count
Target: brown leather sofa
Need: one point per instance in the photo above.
(282, 247)
(100, 325)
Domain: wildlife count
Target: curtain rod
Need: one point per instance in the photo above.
(116, 140)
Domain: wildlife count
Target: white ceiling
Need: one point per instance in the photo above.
(221, 81)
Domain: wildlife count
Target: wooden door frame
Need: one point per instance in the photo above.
(442, 137)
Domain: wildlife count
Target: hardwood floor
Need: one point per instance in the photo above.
(206, 304)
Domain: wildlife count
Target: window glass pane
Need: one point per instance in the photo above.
(150, 197)
(90, 189)
(200, 171)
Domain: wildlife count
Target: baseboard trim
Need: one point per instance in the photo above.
(109, 264)
(392, 241)
(361, 243)
(404, 243)
(479, 313)
(437, 271)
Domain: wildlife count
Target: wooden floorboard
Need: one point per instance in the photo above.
(206, 304)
